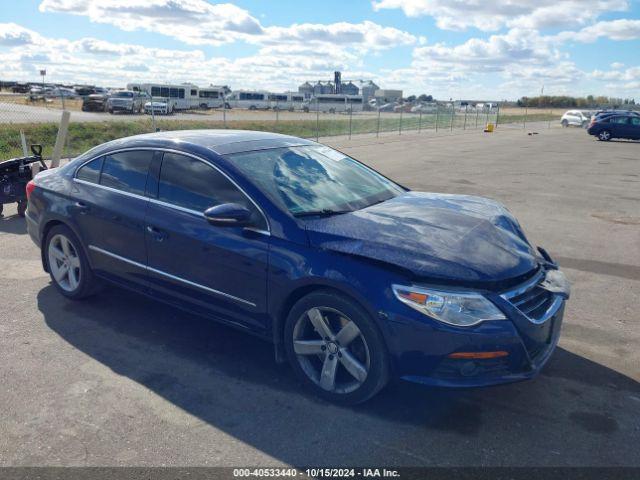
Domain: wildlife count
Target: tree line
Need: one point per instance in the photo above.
(590, 101)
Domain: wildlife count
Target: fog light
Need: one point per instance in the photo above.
(468, 369)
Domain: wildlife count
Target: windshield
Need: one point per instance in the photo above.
(123, 94)
(314, 179)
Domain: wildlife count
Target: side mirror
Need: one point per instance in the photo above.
(228, 215)
(36, 150)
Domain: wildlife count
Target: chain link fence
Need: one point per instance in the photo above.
(38, 118)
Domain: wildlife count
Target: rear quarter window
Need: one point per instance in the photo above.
(126, 171)
(90, 172)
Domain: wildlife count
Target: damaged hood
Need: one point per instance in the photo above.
(453, 239)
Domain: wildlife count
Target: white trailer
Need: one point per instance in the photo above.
(211, 97)
(249, 99)
(180, 97)
(334, 102)
(287, 101)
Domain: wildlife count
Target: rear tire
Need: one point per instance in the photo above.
(335, 348)
(604, 136)
(68, 265)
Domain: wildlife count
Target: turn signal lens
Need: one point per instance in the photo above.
(415, 297)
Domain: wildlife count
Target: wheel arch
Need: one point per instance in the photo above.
(282, 311)
(46, 228)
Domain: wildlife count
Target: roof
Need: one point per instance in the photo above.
(219, 141)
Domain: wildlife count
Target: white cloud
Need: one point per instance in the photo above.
(509, 65)
(620, 30)
(191, 21)
(493, 15)
(623, 81)
(366, 35)
(515, 48)
(12, 35)
(89, 60)
(199, 22)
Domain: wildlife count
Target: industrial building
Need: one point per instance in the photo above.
(368, 89)
(387, 96)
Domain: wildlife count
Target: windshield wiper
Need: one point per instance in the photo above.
(325, 212)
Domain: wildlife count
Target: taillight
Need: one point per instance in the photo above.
(31, 186)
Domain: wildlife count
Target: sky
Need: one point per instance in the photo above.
(460, 49)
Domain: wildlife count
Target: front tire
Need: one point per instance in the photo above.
(604, 136)
(335, 348)
(68, 265)
(564, 123)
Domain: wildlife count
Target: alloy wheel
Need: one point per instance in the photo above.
(64, 263)
(604, 135)
(331, 350)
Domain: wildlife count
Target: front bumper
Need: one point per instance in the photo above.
(93, 107)
(421, 347)
(121, 108)
(156, 110)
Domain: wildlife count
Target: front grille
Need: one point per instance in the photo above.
(534, 302)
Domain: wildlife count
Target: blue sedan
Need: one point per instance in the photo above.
(354, 278)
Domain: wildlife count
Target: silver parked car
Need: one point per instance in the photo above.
(127, 101)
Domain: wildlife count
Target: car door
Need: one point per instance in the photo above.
(634, 127)
(620, 127)
(109, 213)
(219, 271)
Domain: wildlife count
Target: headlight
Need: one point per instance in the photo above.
(460, 309)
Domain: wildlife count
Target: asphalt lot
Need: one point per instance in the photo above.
(118, 380)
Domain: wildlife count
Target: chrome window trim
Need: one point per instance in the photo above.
(168, 275)
(159, 202)
(111, 189)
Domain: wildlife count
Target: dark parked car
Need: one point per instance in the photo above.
(95, 103)
(616, 126)
(21, 88)
(602, 113)
(353, 277)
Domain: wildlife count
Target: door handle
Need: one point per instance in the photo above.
(157, 234)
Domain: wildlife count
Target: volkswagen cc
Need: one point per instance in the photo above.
(354, 278)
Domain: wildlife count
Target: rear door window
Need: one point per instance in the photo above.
(127, 171)
(192, 184)
(622, 120)
(90, 172)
